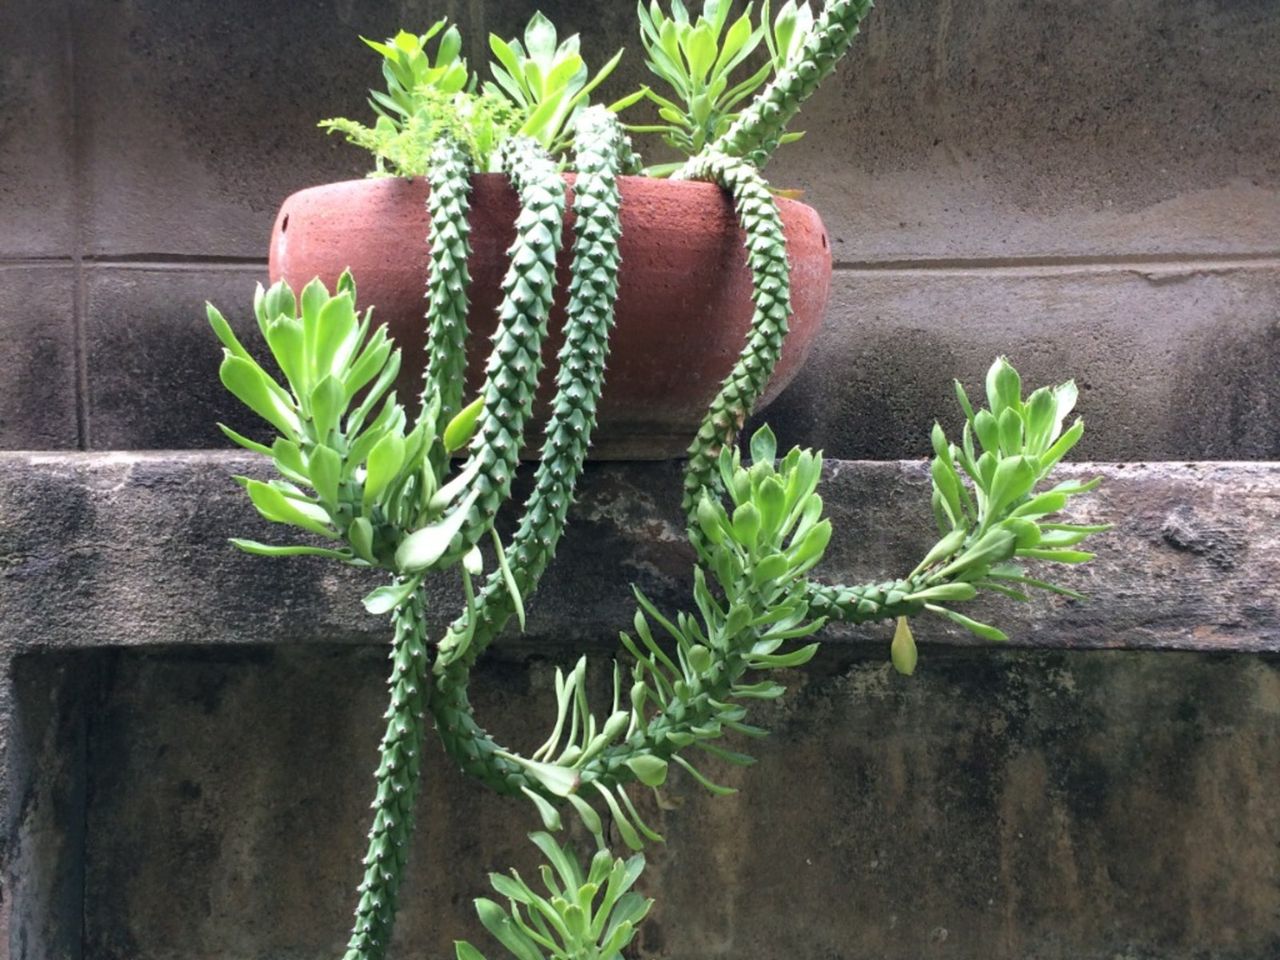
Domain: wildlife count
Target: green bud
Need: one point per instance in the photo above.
(709, 520)
(903, 649)
(746, 524)
(649, 770)
(700, 659)
(463, 426)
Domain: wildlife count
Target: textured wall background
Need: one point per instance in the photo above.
(1093, 188)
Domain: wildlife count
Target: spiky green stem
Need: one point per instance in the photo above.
(397, 777)
(593, 291)
(601, 149)
(449, 178)
(516, 359)
(771, 293)
(759, 128)
(471, 746)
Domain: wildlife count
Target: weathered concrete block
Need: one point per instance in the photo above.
(188, 733)
(153, 360)
(37, 357)
(998, 131)
(1173, 362)
(997, 804)
(134, 549)
(37, 190)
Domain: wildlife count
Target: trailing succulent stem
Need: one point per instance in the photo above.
(385, 493)
(448, 203)
(398, 774)
(771, 294)
(593, 285)
(758, 131)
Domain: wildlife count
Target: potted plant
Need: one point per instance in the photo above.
(378, 484)
(683, 303)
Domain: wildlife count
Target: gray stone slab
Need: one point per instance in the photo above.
(130, 550)
(37, 189)
(980, 130)
(153, 360)
(1003, 804)
(1174, 361)
(37, 357)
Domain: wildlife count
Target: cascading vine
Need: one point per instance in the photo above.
(757, 131)
(388, 496)
(448, 203)
(398, 775)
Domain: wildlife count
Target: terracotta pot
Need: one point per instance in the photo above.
(683, 307)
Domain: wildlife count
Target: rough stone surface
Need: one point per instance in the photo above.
(982, 130)
(999, 804)
(1173, 362)
(153, 359)
(179, 164)
(188, 733)
(37, 357)
(133, 546)
(37, 184)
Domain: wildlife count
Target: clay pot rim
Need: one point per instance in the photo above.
(356, 184)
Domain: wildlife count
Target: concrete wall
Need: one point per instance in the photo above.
(1092, 188)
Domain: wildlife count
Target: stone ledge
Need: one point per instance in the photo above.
(128, 550)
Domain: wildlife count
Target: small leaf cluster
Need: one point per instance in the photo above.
(548, 80)
(351, 468)
(697, 60)
(986, 502)
(684, 686)
(403, 147)
(540, 85)
(589, 915)
(409, 69)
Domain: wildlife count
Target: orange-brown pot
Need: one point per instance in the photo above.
(684, 304)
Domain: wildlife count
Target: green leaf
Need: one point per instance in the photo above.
(945, 592)
(336, 336)
(244, 441)
(387, 598)
(1014, 478)
(284, 336)
(270, 550)
(224, 333)
(625, 828)
(1004, 387)
(252, 387)
(589, 817)
(509, 579)
(549, 814)
(463, 426)
(497, 922)
(902, 651)
(649, 770)
(562, 781)
(987, 427)
(424, 547)
(714, 788)
(1058, 556)
(983, 630)
(810, 549)
(385, 460)
(276, 507)
(360, 536)
(764, 445)
(465, 951)
(324, 467)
